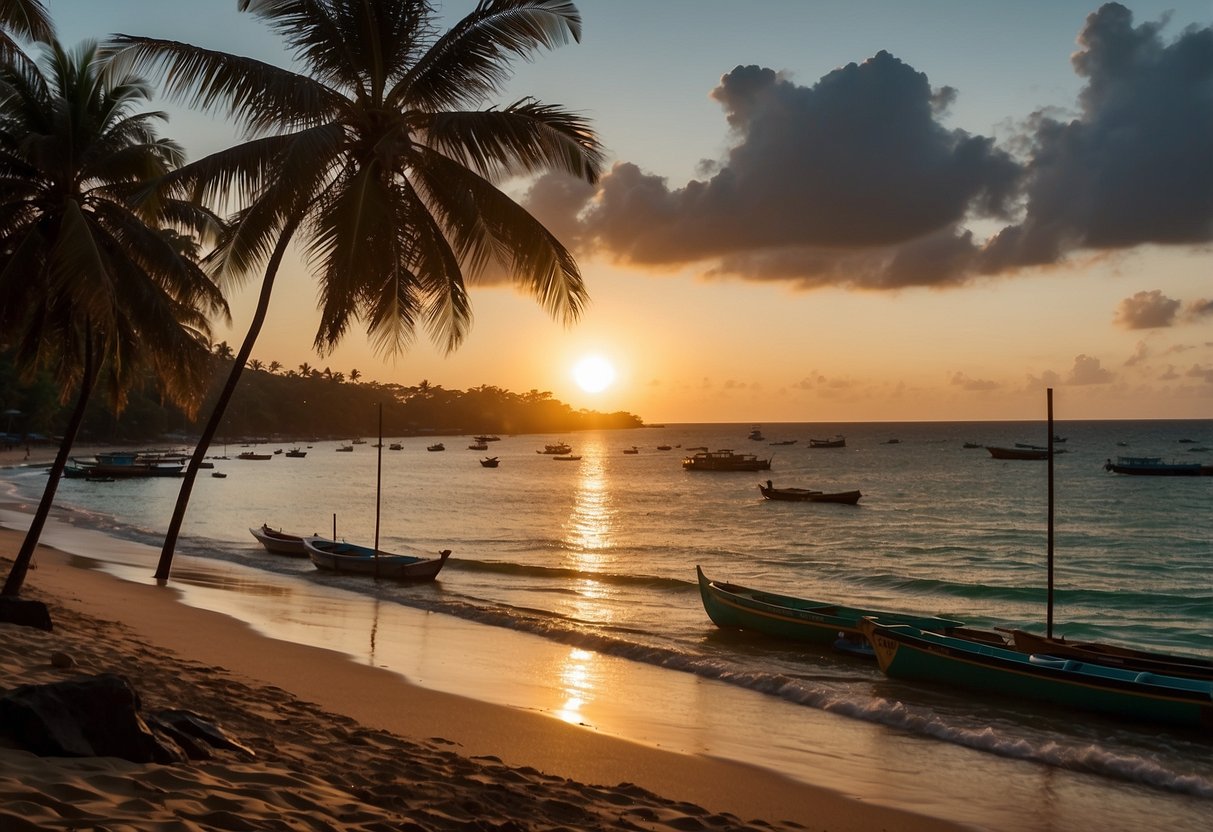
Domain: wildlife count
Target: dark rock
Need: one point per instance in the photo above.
(62, 660)
(90, 716)
(27, 613)
(195, 727)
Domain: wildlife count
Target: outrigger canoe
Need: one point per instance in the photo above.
(339, 556)
(1113, 655)
(907, 652)
(735, 607)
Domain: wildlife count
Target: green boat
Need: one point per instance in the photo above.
(735, 607)
(907, 652)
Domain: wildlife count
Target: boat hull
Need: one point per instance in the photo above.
(1113, 655)
(907, 652)
(337, 556)
(734, 607)
(1017, 453)
(280, 543)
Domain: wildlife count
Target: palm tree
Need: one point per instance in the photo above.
(26, 18)
(375, 155)
(255, 364)
(93, 279)
(275, 367)
(305, 370)
(355, 375)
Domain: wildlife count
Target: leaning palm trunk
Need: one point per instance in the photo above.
(225, 396)
(16, 575)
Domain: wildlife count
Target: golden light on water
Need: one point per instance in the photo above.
(590, 523)
(577, 683)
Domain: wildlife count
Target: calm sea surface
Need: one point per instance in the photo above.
(600, 554)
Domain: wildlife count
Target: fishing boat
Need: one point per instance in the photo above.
(567, 457)
(487, 438)
(254, 456)
(358, 441)
(1168, 664)
(279, 542)
(490, 462)
(478, 446)
(905, 651)
(1153, 466)
(437, 446)
(838, 441)
(395, 446)
(631, 450)
(1017, 453)
(724, 460)
(807, 495)
(339, 556)
(785, 442)
(122, 465)
(347, 449)
(756, 434)
(736, 607)
(557, 449)
(296, 453)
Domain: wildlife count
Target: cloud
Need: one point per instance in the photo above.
(963, 381)
(1201, 372)
(855, 181)
(1086, 370)
(1198, 310)
(1140, 354)
(1147, 310)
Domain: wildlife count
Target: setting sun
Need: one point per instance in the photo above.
(594, 374)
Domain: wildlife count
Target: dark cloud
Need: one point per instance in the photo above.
(855, 181)
(1198, 310)
(1136, 167)
(1147, 310)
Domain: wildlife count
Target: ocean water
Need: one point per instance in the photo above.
(600, 554)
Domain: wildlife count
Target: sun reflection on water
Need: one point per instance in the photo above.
(589, 529)
(577, 683)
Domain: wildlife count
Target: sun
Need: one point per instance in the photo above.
(594, 374)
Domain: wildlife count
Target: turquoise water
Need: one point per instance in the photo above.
(600, 554)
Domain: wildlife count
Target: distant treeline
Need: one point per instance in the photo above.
(298, 404)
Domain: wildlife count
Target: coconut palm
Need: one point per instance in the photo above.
(93, 281)
(375, 155)
(24, 18)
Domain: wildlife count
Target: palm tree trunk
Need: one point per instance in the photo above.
(225, 396)
(16, 575)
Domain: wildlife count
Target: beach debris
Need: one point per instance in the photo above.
(187, 727)
(24, 612)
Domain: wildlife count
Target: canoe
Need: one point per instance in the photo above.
(490, 462)
(1152, 466)
(907, 652)
(339, 556)
(807, 495)
(1113, 655)
(735, 607)
(837, 442)
(280, 542)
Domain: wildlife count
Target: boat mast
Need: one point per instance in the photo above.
(378, 485)
(1049, 617)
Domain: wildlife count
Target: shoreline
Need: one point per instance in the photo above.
(198, 650)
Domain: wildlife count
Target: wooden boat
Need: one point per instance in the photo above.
(296, 453)
(395, 446)
(490, 462)
(1153, 466)
(254, 456)
(838, 441)
(339, 556)
(345, 449)
(807, 495)
(487, 438)
(735, 607)
(725, 460)
(279, 542)
(908, 652)
(437, 446)
(558, 448)
(1112, 655)
(631, 450)
(119, 466)
(1017, 453)
(478, 446)
(785, 442)
(567, 457)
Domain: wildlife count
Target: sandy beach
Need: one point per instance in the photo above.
(341, 745)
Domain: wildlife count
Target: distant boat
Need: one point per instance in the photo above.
(359, 441)
(254, 456)
(838, 441)
(725, 460)
(566, 457)
(631, 450)
(786, 442)
(892, 441)
(557, 448)
(345, 448)
(279, 542)
(395, 446)
(339, 556)
(478, 446)
(1018, 453)
(971, 445)
(296, 453)
(806, 495)
(756, 434)
(1153, 466)
(219, 475)
(665, 447)
(487, 438)
(489, 462)
(438, 446)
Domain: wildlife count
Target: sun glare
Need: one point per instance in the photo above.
(594, 374)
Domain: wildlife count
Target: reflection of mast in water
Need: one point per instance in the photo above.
(374, 630)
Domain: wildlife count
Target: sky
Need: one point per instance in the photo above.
(820, 211)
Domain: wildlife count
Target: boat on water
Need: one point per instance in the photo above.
(807, 495)
(1153, 466)
(756, 434)
(253, 455)
(339, 556)
(478, 446)
(1112, 655)
(279, 542)
(1017, 453)
(567, 457)
(735, 607)
(971, 445)
(631, 450)
(665, 447)
(559, 448)
(905, 651)
(348, 449)
(490, 462)
(487, 438)
(838, 441)
(124, 464)
(395, 446)
(724, 460)
(296, 453)
(219, 475)
(437, 446)
(785, 442)
(359, 441)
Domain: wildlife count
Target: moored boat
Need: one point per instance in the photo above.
(807, 495)
(838, 441)
(296, 453)
(1153, 466)
(490, 462)
(908, 652)
(254, 456)
(279, 542)
(339, 556)
(736, 607)
(437, 446)
(724, 460)
(1017, 453)
(1113, 655)
(558, 448)
(345, 449)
